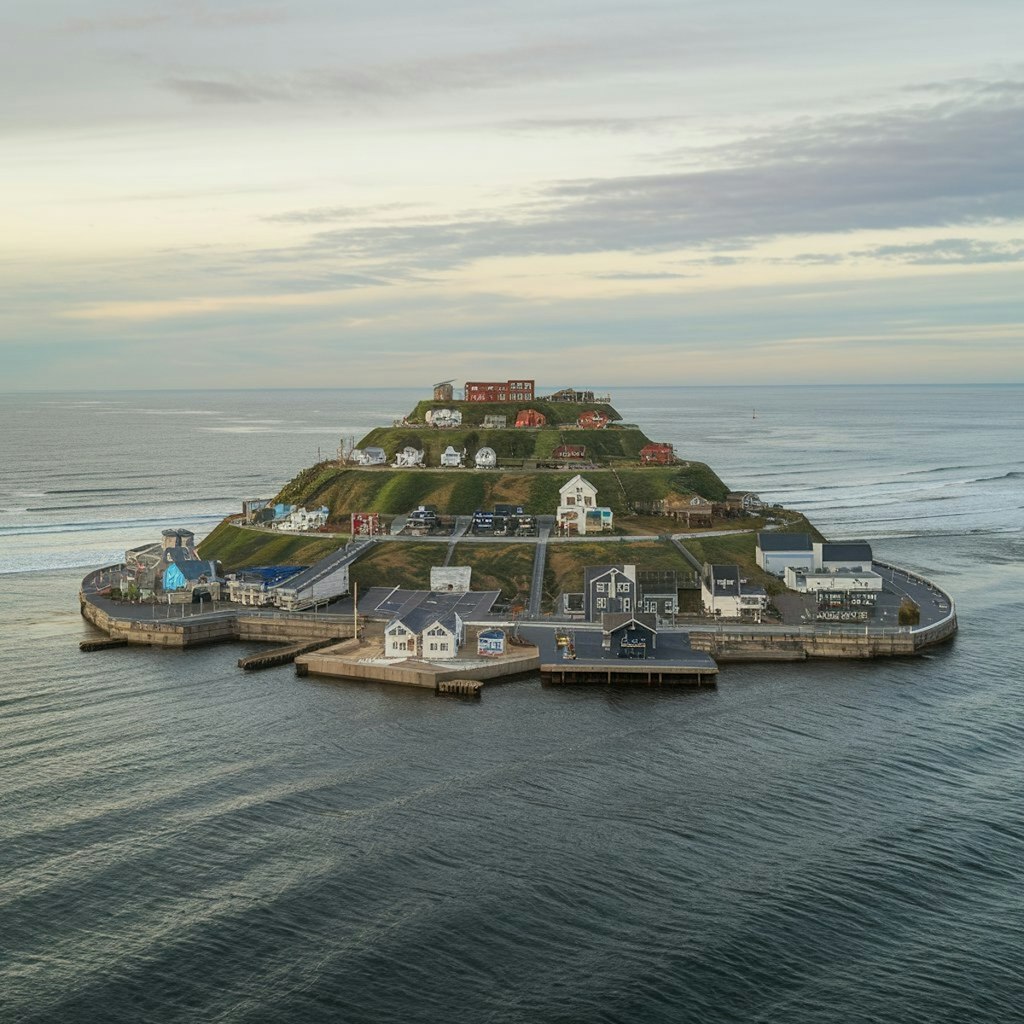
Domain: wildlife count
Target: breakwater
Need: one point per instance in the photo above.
(216, 627)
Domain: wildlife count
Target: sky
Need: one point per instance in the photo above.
(330, 193)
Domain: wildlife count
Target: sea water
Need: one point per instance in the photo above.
(816, 842)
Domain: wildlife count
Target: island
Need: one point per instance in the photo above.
(503, 532)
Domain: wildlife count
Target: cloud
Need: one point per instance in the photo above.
(326, 214)
(949, 251)
(594, 125)
(529, 64)
(201, 90)
(191, 13)
(914, 167)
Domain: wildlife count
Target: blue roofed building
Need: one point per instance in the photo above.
(187, 573)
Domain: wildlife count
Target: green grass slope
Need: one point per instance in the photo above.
(461, 491)
(608, 445)
(238, 548)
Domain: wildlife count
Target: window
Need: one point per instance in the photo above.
(602, 602)
(625, 604)
(601, 587)
(624, 588)
(570, 500)
(433, 647)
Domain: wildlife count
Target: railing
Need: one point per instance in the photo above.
(945, 626)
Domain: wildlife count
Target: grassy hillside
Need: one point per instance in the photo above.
(398, 565)
(461, 491)
(734, 549)
(504, 567)
(238, 548)
(566, 562)
(602, 445)
(473, 413)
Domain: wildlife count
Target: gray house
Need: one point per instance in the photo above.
(608, 588)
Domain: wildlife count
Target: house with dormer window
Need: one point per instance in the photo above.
(423, 633)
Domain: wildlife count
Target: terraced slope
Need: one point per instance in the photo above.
(462, 491)
(607, 445)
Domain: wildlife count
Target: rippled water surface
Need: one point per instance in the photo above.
(818, 842)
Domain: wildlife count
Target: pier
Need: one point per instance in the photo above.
(282, 655)
(627, 673)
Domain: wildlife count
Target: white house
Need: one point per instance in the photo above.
(303, 519)
(724, 593)
(843, 580)
(575, 499)
(486, 458)
(444, 418)
(369, 457)
(422, 633)
(777, 552)
(491, 643)
(408, 457)
(452, 458)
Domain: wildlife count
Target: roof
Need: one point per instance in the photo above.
(418, 619)
(193, 568)
(269, 574)
(723, 579)
(391, 602)
(591, 573)
(492, 634)
(576, 481)
(770, 540)
(373, 450)
(612, 622)
(177, 533)
(855, 552)
(180, 554)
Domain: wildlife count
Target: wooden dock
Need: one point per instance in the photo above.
(282, 655)
(626, 673)
(460, 687)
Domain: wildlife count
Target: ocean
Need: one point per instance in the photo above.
(806, 843)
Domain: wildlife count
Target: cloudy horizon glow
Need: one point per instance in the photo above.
(313, 194)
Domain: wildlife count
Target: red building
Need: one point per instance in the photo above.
(657, 454)
(530, 418)
(591, 420)
(365, 524)
(569, 451)
(500, 391)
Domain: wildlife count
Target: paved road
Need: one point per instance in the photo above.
(537, 581)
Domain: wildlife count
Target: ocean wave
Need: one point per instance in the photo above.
(127, 504)
(126, 525)
(1013, 474)
(94, 490)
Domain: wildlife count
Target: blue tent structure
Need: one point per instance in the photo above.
(178, 575)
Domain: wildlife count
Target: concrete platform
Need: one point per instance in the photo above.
(367, 662)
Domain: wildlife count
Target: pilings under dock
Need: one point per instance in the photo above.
(460, 687)
(639, 673)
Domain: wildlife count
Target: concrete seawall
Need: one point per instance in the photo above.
(213, 628)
